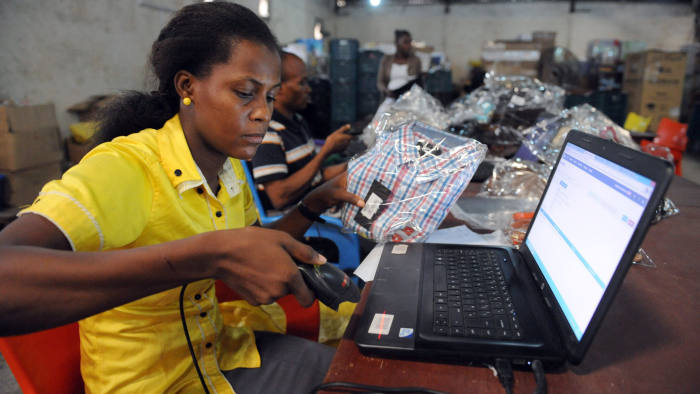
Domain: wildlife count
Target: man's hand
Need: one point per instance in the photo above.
(257, 263)
(338, 140)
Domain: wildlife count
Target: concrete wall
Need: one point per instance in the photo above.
(461, 32)
(67, 50)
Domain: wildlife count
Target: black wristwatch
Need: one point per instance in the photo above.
(308, 213)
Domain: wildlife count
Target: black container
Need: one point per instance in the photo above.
(343, 73)
(318, 113)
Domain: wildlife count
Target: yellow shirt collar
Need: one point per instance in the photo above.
(183, 172)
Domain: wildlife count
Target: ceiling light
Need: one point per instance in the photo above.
(318, 31)
(264, 9)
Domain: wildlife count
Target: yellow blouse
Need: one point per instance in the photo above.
(140, 190)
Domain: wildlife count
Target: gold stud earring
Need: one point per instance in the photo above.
(187, 101)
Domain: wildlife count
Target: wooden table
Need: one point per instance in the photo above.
(648, 342)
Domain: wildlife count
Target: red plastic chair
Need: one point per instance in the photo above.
(672, 135)
(49, 361)
(46, 361)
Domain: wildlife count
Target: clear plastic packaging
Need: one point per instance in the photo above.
(506, 198)
(520, 98)
(425, 107)
(491, 213)
(409, 179)
(517, 178)
(545, 139)
(497, 113)
(415, 104)
(667, 208)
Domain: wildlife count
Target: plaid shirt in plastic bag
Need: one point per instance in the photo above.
(409, 180)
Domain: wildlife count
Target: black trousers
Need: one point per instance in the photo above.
(288, 365)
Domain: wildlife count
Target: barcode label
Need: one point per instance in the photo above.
(381, 324)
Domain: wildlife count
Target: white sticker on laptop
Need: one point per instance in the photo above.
(405, 332)
(399, 249)
(381, 324)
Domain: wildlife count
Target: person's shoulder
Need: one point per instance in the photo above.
(272, 137)
(276, 126)
(137, 147)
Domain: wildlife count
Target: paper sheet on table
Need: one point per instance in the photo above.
(459, 235)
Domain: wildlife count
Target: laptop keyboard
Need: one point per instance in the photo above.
(471, 298)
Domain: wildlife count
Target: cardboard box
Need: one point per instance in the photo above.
(76, 151)
(546, 39)
(512, 57)
(528, 69)
(87, 109)
(653, 81)
(24, 185)
(29, 136)
(511, 51)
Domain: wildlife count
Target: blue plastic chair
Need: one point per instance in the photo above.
(347, 243)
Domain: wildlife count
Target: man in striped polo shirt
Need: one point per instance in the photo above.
(286, 165)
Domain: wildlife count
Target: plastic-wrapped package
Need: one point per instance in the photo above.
(425, 107)
(666, 209)
(514, 189)
(415, 104)
(527, 93)
(546, 137)
(478, 106)
(502, 97)
(517, 178)
(489, 212)
(409, 179)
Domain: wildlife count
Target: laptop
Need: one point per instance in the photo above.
(546, 300)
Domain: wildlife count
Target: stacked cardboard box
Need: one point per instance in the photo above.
(517, 57)
(653, 81)
(30, 150)
(77, 145)
(512, 57)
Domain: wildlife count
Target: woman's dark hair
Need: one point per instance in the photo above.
(400, 33)
(196, 38)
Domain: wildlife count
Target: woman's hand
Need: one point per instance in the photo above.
(332, 193)
(258, 263)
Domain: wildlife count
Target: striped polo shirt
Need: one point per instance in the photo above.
(286, 148)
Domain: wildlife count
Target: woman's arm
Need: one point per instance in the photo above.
(329, 194)
(383, 75)
(44, 285)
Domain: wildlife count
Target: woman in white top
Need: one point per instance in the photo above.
(399, 71)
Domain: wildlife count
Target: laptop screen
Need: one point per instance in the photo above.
(585, 222)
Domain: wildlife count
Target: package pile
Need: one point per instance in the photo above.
(498, 112)
(546, 138)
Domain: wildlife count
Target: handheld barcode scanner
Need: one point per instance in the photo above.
(330, 285)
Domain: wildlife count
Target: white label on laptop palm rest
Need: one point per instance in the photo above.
(399, 249)
(405, 332)
(381, 323)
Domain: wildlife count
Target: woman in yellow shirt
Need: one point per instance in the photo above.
(113, 242)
